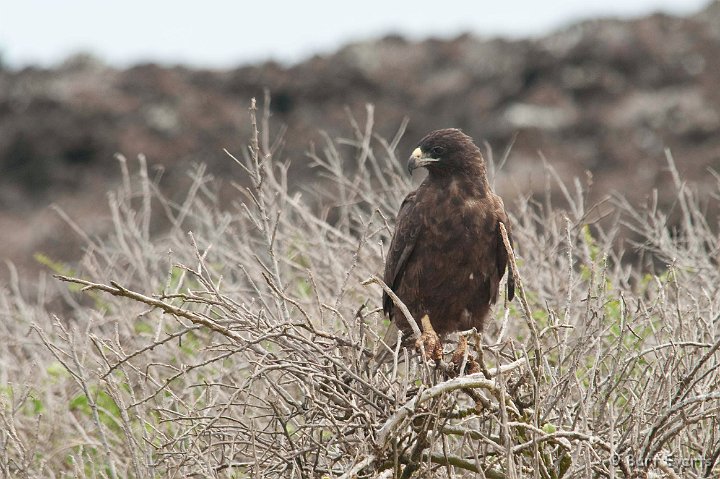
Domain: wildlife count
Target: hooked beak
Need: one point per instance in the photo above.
(418, 159)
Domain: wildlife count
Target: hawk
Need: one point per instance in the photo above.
(447, 255)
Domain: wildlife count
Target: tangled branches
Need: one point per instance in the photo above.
(248, 347)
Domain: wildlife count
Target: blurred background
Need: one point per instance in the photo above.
(598, 90)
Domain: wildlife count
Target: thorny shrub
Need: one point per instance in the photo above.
(241, 342)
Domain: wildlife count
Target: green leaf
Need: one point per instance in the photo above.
(56, 370)
(549, 428)
(80, 403)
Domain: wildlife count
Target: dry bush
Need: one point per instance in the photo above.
(246, 348)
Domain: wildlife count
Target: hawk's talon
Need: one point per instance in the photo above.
(429, 341)
(471, 366)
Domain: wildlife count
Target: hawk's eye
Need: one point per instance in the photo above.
(437, 151)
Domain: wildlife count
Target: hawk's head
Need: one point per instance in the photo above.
(447, 152)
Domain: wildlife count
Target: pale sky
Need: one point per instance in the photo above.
(224, 33)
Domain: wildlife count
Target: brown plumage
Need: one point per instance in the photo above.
(447, 256)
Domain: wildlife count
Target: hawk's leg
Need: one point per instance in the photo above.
(458, 357)
(429, 340)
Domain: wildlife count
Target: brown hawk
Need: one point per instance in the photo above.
(447, 255)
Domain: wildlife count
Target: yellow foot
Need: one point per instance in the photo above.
(471, 366)
(429, 341)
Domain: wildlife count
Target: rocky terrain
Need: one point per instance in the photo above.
(603, 96)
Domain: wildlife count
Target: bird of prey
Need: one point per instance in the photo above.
(447, 255)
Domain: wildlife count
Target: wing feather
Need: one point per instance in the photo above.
(402, 246)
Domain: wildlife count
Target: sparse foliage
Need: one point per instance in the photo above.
(241, 342)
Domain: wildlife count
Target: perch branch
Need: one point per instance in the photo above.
(471, 381)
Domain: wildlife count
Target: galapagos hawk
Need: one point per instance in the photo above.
(447, 255)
